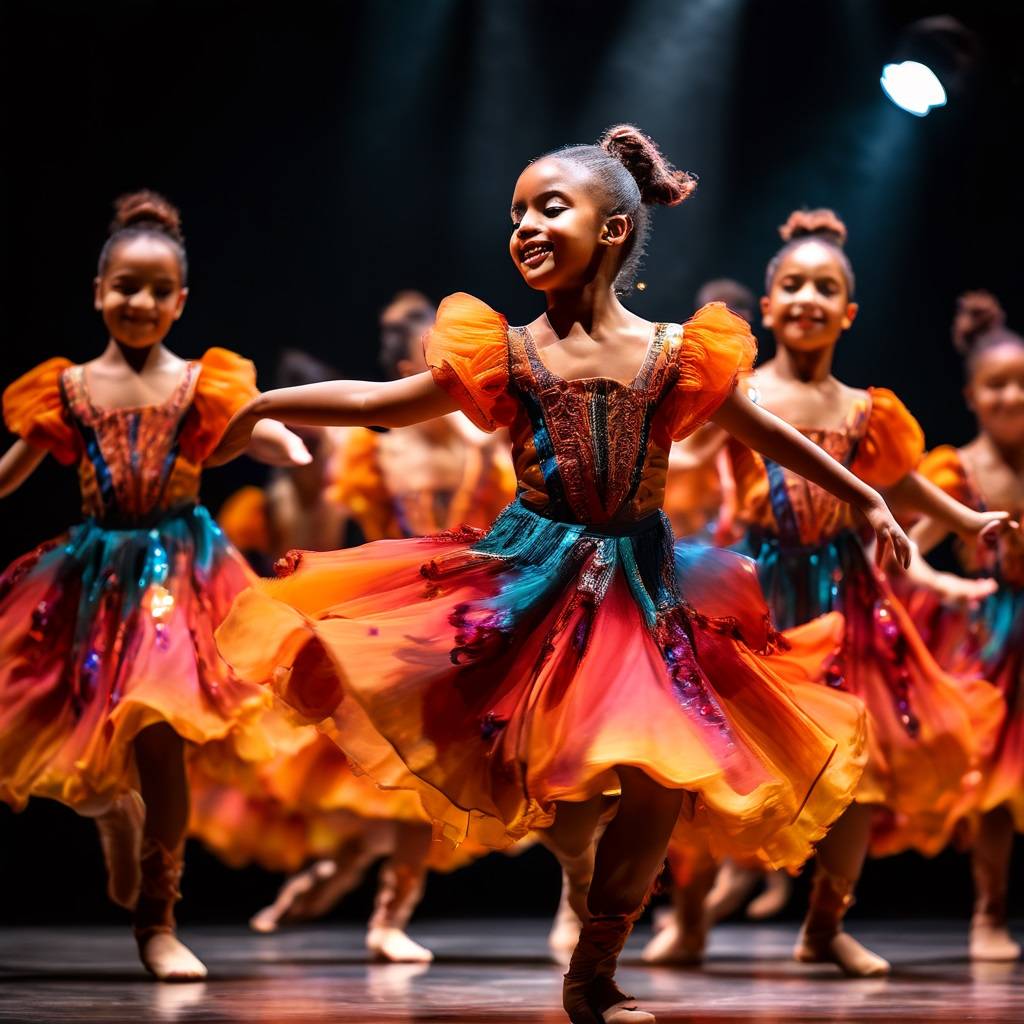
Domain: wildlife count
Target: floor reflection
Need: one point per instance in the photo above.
(490, 972)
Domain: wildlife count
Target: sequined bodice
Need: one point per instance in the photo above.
(583, 449)
(131, 469)
(782, 503)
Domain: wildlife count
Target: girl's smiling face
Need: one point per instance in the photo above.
(995, 392)
(140, 292)
(560, 233)
(808, 306)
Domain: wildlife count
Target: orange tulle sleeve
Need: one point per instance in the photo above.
(467, 352)
(717, 349)
(226, 382)
(35, 411)
(943, 467)
(893, 444)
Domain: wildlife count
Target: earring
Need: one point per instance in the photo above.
(845, 324)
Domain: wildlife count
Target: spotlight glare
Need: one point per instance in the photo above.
(913, 87)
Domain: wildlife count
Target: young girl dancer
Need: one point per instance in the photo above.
(513, 677)
(987, 473)
(107, 662)
(926, 729)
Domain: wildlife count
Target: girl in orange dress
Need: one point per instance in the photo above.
(988, 640)
(512, 677)
(927, 730)
(108, 668)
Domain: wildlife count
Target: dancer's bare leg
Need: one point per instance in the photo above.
(317, 889)
(120, 829)
(399, 890)
(160, 757)
(733, 887)
(778, 887)
(990, 865)
(840, 861)
(572, 840)
(684, 937)
(629, 856)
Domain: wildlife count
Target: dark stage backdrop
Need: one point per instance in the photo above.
(325, 155)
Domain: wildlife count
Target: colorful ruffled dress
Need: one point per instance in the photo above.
(498, 673)
(928, 731)
(307, 802)
(109, 628)
(988, 640)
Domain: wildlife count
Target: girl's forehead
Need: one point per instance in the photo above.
(550, 175)
(811, 256)
(144, 252)
(1001, 357)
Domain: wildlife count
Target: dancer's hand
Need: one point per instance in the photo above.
(273, 443)
(950, 588)
(890, 540)
(236, 437)
(986, 527)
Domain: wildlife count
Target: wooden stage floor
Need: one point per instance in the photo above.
(490, 972)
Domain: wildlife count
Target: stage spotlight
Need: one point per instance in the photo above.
(933, 60)
(913, 87)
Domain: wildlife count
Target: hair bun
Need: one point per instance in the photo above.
(978, 313)
(660, 183)
(149, 208)
(823, 223)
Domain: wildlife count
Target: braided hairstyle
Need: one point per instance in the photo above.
(145, 213)
(980, 325)
(822, 225)
(630, 174)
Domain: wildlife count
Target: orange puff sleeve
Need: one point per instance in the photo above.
(717, 349)
(467, 352)
(943, 467)
(226, 382)
(35, 411)
(893, 443)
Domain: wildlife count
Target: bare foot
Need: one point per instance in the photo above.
(393, 945)
(990, 940)
(305, 896)
(627, 1012)
(855, 960)
(168, 959)
(773, 900)
(673, 945)
(120, 831)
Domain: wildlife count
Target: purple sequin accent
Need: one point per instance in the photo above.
(491, 725)
(895, 646)
(688, 680)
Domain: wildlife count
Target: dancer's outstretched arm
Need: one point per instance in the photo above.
(342, 403)
(17, 464)
(766, 433)
(920, 493)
